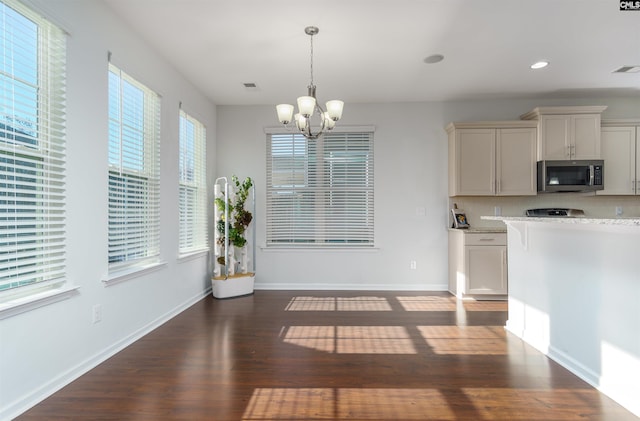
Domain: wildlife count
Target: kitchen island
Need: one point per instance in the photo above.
(574, 294)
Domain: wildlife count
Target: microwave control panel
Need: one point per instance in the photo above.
(597, 175)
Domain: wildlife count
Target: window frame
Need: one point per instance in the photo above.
(33, 155)
(137, 192)
(318, 211)
(192, 211)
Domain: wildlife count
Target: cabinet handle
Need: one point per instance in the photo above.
(487, 239)
(569, 151)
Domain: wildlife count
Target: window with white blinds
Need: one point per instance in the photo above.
(320, 192)
(32, 151)
(134, 171)
(192, 200)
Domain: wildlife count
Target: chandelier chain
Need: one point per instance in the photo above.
(311, 60)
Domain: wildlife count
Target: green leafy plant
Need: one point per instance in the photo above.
(237, 213)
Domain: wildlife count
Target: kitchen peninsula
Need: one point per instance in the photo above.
(574, 294)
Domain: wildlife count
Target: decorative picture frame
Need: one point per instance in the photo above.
(460, 220)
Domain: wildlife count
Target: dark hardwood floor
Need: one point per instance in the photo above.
(301, 355)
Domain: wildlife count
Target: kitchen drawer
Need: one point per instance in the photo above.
(485, 239)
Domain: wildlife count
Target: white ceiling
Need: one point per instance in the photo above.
(373, 50)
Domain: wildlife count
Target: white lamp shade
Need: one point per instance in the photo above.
(306, 104)
(334, 109)
(328, 122)
(285, 113)
(301, 122)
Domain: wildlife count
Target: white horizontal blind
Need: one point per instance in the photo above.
(32, 149)
(193, 185)
(320, 192)
(134, 171)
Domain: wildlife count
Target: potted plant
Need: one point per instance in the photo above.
(233, 273)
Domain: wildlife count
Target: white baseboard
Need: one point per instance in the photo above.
(574, 366)
(593, 378)
(349, 287)
(27, 401)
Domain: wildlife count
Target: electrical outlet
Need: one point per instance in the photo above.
(497, 211)
(96, 313)
(413, 264)
(619, 211)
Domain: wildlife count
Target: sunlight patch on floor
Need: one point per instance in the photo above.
(428, 303)
(351, 339)
(338, 304)
(347, 404)
(448, 303)
(465, 340)
(387, 404)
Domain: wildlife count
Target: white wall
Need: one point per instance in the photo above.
(410, 173)
(408, 139)
(45, 348)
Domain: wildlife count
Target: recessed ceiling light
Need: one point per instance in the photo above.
(539, 64)
(434, 58)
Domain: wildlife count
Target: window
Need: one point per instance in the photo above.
(32, 152)
(320, 192)
(134, 172)
(193, 185)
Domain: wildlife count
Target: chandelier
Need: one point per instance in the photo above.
(307, 105)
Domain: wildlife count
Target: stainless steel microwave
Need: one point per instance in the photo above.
(572, 175)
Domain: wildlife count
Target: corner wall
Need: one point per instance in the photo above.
(46, 348)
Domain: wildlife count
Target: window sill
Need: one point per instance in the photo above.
(324, 249)
(185, 257)
(131, 273)
(31, 302)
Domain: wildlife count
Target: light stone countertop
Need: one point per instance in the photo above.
(631, 222)
(481, 230)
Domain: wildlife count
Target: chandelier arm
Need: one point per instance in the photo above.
(306, 130)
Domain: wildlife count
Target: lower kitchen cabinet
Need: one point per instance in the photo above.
(478, 264)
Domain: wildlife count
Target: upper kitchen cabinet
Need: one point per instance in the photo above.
(492, 158)
(567, 132)
(621, 154)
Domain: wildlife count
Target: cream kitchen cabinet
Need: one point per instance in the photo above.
(567, 132)
(621, 155)
(478, 264)
(492, 158)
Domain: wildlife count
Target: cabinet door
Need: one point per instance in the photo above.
(486, 269)
(554, 137)
(619, 153)
(585, 136)
(475, 162)
(516, 162)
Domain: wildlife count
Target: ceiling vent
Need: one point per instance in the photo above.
(250, 87)
(628, 69)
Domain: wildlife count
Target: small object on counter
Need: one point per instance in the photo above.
(459, 219)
